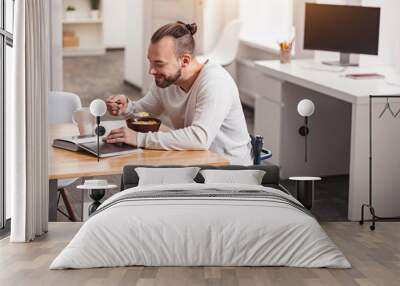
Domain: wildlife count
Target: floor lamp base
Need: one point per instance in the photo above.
(375, 218)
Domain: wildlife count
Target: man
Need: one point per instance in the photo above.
(201, 101)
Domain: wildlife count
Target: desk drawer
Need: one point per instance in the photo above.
(270, 88)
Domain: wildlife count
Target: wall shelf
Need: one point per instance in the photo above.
(88, 31)
(82, 21)
(75, 52)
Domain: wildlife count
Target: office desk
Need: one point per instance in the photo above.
(65, 164)
(338, 139)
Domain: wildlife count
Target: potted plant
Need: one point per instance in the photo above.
(95, 4)
(70, 12)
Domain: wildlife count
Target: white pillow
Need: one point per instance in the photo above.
(165, 176)
(248, 177)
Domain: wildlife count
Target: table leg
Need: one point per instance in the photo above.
(96, 196)
(358, 179)
(305, 193)
(91, 201)
(53, 195)
(86, 202)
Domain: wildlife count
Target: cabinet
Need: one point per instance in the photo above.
(82, 28)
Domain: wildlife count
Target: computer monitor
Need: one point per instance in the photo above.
(344, 29)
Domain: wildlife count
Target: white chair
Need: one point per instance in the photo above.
(61, 106)
(224, 52)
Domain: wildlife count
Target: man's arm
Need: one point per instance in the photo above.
(212, 107)
(150, 103)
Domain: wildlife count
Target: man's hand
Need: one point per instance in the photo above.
(122, 135)
(117, 104)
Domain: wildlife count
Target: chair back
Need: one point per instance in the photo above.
(61, 106)
(258, 152)
(227, 46)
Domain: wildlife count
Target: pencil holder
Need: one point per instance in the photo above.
(285, 49)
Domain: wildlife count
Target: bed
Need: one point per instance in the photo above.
(198, 224)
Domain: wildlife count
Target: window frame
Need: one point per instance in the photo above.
(6, 39)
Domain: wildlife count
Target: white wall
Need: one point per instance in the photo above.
(56, 52)
(212, 23)
(266, 21)
(216, 14)
(117, 19)
(389, 38)
(134, 54)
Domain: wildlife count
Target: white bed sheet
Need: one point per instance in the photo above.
(200, 231)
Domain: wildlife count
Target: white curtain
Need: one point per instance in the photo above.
(26, 117)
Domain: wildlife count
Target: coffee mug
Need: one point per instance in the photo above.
(84, 120)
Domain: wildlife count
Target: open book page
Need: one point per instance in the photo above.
(108, 150)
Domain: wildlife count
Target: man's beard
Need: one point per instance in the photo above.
(167, 81)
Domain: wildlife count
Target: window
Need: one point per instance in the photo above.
(6, 43)
(265, 22)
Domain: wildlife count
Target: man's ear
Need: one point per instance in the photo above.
(186, 59)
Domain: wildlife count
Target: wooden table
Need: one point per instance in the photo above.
(65, 164)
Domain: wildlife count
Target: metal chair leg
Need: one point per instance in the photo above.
(372, 210)
(71, 215)
(362, 214)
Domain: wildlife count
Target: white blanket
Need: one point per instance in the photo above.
(204, 230)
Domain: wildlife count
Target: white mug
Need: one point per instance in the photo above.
(85, 120)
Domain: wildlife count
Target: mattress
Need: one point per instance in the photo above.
(201, 225)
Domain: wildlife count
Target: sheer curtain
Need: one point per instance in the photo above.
(26, 116)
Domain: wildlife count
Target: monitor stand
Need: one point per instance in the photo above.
(344, 61)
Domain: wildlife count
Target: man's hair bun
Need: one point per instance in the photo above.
(181, 32)
(192, 28)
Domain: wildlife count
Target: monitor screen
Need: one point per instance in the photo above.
(345, 29)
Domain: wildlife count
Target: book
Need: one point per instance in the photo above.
(88, 143)
(364, 76)
(72, 143)
(108, 149)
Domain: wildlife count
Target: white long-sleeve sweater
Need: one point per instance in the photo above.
(208, 116)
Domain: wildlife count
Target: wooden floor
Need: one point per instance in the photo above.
(375, 257)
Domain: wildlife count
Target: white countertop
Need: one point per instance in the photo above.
(334, 82)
